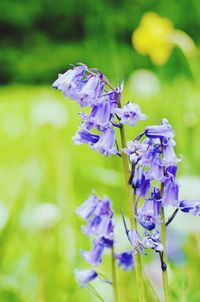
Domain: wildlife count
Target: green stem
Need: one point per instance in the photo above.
(114, 277)
(163, 240)
(131, 203)
(151, 290)
(95, 293)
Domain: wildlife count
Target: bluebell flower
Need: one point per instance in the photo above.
(83, 136)
(149, 215)
(162, 131)
(190, 206)
(152, 240)
(83, 277)
(91, 91)
(156, 170)
(100, 115)
(87, 209)
(133, 237)
(130, 114)
(100, 223)
(69, 81)
(99, 226)
(171, 188)
(125, 260)
(94, 256)
(104, 207)
(136, 241)
(135, 150)
(169, 155)
(80, 85)
(107, 242)
(144, 187)
(137, 176)
(106, 143)
(98, 213)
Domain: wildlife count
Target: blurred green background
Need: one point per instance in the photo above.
(44, 176)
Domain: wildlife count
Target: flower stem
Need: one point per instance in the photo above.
(131, 203)
(114, 277)
(164, 256)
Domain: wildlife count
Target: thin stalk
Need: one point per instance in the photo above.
(131, 204)
(164, 256)
(114, 276)
(151, 289)
(172, 217)
(94, 292)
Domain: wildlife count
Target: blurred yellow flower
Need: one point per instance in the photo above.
(152, 37)
(156, 37)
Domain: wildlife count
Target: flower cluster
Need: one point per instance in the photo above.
(89, 88)
(98, 214)
(152, 170)
(154, 161)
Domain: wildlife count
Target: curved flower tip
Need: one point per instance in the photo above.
(191, 207)
(83, 277)
(162, 131)
(125, 260)
(130, 114)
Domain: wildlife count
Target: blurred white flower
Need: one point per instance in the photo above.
(45, 216)
(33, 171)
(42, 217)
(3, 215)
(49, 112)
(14, 124)
(144, 83)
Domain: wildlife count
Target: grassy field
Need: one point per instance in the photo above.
(44, 177)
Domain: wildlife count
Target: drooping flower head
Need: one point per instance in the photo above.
(152, 240)
(80, 85)
(130, 114)
(149, 215)
(171, 188)
(162, 131)
(94, 256)
(98, 213)
(190, 206)
(125, 260)
(83, 277)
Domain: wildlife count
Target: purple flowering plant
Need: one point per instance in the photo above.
(150, 169)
